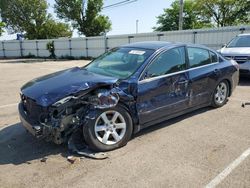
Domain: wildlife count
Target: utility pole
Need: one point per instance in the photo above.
(136, 25)
(84, 6)
(181, 15)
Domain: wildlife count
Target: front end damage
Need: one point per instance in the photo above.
(58, 121)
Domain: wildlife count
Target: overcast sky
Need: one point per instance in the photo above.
(124, 17)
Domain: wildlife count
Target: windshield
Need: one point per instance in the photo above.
(119, 62)
(240, 41)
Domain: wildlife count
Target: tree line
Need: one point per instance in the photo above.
(205, 14)
(31, 17)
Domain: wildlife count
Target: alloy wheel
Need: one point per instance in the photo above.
(110, 127)
(221, 93)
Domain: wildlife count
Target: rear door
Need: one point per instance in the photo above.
(163, 90)
(202, 74)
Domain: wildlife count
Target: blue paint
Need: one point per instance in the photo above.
(148, 102)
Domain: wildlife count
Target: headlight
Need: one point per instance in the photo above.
(64, 100)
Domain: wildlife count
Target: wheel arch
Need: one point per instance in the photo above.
(229, 82)
(131, 109)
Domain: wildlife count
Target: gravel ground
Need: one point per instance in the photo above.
(188, 151)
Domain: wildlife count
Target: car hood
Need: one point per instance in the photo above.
(48, 89)
(235, 51)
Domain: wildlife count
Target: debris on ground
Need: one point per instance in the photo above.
(76, 145)
(71, 159)
(43, 160)
(245, 104)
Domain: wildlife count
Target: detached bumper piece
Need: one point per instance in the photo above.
(76, 145)
(35, 130)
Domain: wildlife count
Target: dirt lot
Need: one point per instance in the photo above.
(189, 151)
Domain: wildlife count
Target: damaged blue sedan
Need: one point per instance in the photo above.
(125, 90)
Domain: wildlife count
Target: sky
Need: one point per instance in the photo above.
(124, 17)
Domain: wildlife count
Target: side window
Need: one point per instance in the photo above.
(214, 57)
(198, 57)
(168, 62)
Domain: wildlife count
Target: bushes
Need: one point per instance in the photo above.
(51, 49)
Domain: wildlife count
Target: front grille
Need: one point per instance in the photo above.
(32, 109)
(239, 59)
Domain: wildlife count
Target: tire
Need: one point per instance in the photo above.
(111, 129)
(220, 94)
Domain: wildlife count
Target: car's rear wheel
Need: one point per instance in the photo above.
(220, 94)
(110, 130)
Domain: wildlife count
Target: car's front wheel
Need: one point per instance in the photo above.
(220, 94)
(111, 129)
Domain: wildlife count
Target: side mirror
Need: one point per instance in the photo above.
(224, 45)
(148, 75)
(145, 75)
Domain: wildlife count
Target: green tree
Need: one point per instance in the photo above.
(31, 18)
(89, 24)
(224, 12)
(169, 20)
(2, 25)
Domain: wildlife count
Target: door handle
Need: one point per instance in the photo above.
(216, 71)
(183, 82)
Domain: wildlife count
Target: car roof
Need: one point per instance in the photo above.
(155, 45)
(244, 34)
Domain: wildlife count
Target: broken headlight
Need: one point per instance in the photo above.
(104, 99)
(64, 100)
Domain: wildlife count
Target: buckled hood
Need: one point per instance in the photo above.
(48, 89)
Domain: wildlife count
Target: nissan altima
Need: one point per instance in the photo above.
(125, 90)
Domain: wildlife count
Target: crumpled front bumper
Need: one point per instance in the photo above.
(35, 129)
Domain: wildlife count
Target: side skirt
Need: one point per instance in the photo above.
(151, 123)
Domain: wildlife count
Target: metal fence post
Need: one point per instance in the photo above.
(86, 42)
(70, 48)
(37, 49)
(4, 54)
(194, 39)
(129, 38)
(106, 43)
(159, 36)
(21, 48)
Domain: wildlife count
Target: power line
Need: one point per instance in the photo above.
(121, 3)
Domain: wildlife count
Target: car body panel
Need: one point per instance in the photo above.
(158, 97)
(48, 89)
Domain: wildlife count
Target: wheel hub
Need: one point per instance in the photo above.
(221, 92)
(110, 127)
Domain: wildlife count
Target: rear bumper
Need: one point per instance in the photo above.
(34, 129)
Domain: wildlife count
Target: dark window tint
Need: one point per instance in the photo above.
(170, 61)
(198, 57)
(214, 57)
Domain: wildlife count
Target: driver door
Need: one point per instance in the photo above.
(164, 89)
